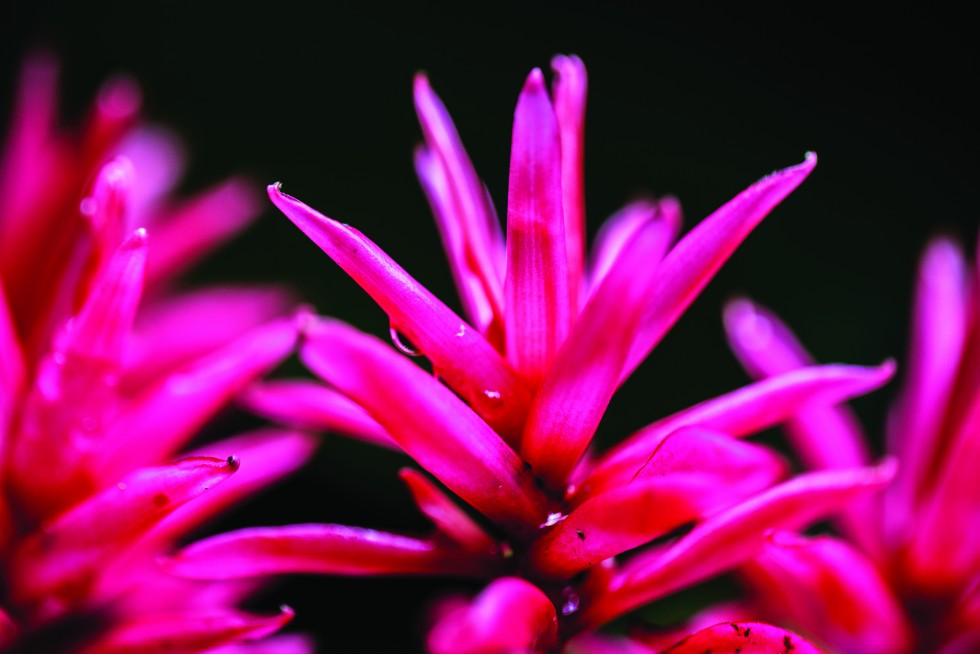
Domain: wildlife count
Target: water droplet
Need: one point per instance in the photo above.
(87, 207)
(462, 330)
(492, 395)
(402, 344)
(121, 485)
(59, 358)
(553, 519)
(571, 602)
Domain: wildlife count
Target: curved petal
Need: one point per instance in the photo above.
(459, 354)
(428, 421)
(537, 312)
(743, 637)
(320, 549)
(699, 255)
(448, 518)
(509, 615)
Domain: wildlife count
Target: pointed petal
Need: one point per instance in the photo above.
(164, 417)
(429, 422)
(472, 291)
(580, 384)
(320, 549)
(181, 236)
(731, 537)
(940, 322)
(288, 644)
(197, 631)
(305, 404)
(173, 331)
(827, 587)
(699, 255)
(745, 411)
(743, 637)
(459, 354)
(569, 91)
(11, 364)
(449, 519)
(536, 285)
(61, 560)
(471, 209)
(622, 226)
(159, 160)
(115, 111)
(509, 615)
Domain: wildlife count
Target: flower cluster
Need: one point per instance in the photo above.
(106, 373)
(906, 575)
(566, 537)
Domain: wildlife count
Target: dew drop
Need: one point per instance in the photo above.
(402, 344)
(553, 519)
(87, 207)
(571, 602)
(462, 331)
(492, 395)
(59, 358)
(121, 485)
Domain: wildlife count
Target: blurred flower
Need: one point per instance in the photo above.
(519, 388)
(99, 390)
(906, 575)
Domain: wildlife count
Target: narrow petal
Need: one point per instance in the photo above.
(745, 411)
(536, 286)
(449, 519)
(580, 384)
(743, 637)
(61, 560)
(429, 422)
(731, 537)
(288, 644)
(510, 615)
(460, 354)
(115, 111)
(175, 330)
(939, 330)
(622, 226)
(305, 404)
(197, 631)
(168, 414)
(182, 235)
(827, 587)
(320, 549)
(159, 159)
(471, 209)
(699, 255)
(569, 91)
(11, 365)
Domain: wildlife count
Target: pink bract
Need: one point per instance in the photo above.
(521, 382)
(106, 373)
(905, 575)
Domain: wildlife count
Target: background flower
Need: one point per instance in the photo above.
(684, 101)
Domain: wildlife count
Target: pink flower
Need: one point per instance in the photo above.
(906, 574)
(520, 385)
(106, 374)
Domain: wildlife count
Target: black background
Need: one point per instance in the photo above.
(697, 103)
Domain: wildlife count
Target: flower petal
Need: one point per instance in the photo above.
(471, 209)
(509, 615)
(429, 422)
(742, 412)
(536, 286)
(449, 519)
(585, 374)
(699, 255)
(165, 416)
(827, 587)
(459, 354)
(12, 371)
(61, 560)
(569, 90)
(320, 549)
(730, 537)
(305, 404)
(622, 226)
(288, 644)
(197, 631)
(743, 637)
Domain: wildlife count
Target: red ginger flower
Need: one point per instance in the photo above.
(906, 574)
(520, 387)
(100, 389)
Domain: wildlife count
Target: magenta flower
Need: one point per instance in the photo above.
(906, 574)
(520, 385)
(99, 390)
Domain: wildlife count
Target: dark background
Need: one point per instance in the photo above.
(697, 102)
